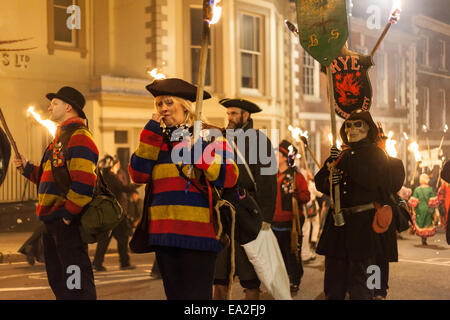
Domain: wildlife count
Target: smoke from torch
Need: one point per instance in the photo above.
(51, 126)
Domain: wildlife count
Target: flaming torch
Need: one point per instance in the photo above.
(211, 15)
(395, 16)
(338, 142)
(156, 75)
(296, 133)
(51, 126)
(414, 147)
(390, 145)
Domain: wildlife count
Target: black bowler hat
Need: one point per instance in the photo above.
(175, 87)
(240, 103)
(71, 96)
(284, 148)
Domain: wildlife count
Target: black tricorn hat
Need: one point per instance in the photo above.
(71, 96)
(365, 116)
(284, 147)
(241, 103)
(175, 87)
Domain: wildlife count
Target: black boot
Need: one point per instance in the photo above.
(424, 241)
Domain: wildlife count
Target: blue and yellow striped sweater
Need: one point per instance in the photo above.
(81, 159)
(179, 215)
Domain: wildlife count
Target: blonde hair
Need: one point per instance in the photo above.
(189, 112)
(424, 178)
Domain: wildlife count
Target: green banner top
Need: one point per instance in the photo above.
(323, 29)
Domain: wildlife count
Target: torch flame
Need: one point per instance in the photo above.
(445, 128)
(338, 142)
(51, 127)
(156, 75)
(390, 145)
(217, 12)
(414, 147)
(297, 133)
(396, 10)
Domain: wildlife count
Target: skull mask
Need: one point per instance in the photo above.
(356, 130)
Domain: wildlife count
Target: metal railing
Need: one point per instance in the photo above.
(16, 187)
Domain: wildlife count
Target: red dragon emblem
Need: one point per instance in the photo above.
(348, 88)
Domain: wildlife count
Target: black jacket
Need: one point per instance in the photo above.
(266, 185)
(5, 154)
(118, 188)
(365, 180)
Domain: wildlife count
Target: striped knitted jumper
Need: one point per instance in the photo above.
(179, 215)
(81, 160)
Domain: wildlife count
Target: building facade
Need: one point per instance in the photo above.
(409, 80)
(433, 83)
(105, 48)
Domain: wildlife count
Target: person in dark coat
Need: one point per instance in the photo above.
(5, 155)
(362, 177)
(122, 231)
(265, 181)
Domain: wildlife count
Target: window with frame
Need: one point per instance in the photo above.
(61, 32)
(250, 50)
(423, 51)
(381, 79)
(442, 97)
(309, 67)
(443, 58)
(196, 23)
(60, 36)
(400, 81)
(426, 107)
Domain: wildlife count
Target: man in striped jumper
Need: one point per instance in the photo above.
(67, 263)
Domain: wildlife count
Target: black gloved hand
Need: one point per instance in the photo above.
(335, 152)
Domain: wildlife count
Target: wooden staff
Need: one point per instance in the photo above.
(206, 34)
(11, 139)
(338, 216)
(305, 142)
(394, 18)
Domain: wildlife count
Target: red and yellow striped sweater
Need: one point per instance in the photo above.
(81, 159)
(179, 215)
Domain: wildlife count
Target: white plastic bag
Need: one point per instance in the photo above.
(265, 256)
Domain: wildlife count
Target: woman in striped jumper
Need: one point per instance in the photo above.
(181, 230)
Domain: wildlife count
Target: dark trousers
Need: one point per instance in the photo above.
(243, 268)
(121, 234)
(69, 270)
(187, 274)
(345, 275)
(384, 268)
(291, 260)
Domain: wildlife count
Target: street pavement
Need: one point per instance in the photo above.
(422, 273)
